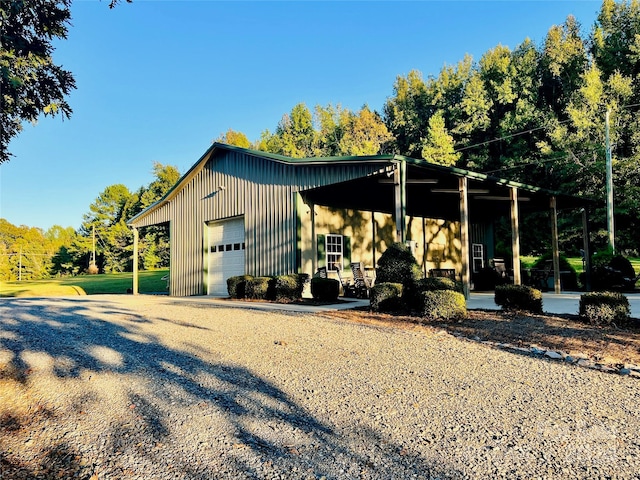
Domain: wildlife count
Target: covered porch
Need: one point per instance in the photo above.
(410, 190)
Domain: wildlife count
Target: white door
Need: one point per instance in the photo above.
(226, 254)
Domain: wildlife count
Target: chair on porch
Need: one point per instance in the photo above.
(361, 283)
(348, 288)
(540, 278)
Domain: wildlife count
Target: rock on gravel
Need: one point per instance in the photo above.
(160, 388)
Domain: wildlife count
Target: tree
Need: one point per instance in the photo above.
(25, 252)
(438, 145)
(107, 217)
(231, 137)
(166, 176)
(30, 82)
(364, 133)
(407, 113)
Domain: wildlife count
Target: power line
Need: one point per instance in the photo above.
(524, 132)
(517, 134)
(527, 164)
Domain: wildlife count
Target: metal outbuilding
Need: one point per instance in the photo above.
(240, 211)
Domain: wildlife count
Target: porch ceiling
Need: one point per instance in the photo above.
(434, 194)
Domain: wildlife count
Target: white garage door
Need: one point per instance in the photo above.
(226, 253)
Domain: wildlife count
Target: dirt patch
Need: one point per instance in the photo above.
(563, 333)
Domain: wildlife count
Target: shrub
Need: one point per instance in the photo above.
(486, 279)
(611, 272)
(398, 265)
(443, 304)
(92, 269)
(519, 297)
(325, 289)
(438, 283)
(413, 297)
(604, 308)
(236, 286)
(386, 297)
(257, 288)
(287, 288)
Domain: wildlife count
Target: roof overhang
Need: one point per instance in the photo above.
(432, 190)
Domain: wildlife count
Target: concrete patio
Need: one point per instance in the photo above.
(565, 302)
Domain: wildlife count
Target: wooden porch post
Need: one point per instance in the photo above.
(400, 183)
(314, 239)
(515, 236)
(373, 239)
(554, 245)
(586, 249)
(135, 261)
(464, 236)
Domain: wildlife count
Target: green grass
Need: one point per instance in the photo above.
(150, 282)
(576, 262)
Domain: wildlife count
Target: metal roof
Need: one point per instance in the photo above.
(390, 159)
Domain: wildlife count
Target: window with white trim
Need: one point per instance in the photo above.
(334, 252)
(477, 256)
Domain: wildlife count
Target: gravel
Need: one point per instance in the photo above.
(159, 388)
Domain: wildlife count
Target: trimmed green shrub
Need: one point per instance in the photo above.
(236, 286)
(257, 288)
(386, 297)
(519, 297)
(611, 272)
(486, 279)
(287, 288)
(438, 283)
(443, 304)
(398, 265)
(413, 297)
(325, 289)
(605, 308)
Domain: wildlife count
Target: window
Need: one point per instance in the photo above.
(334, 252)
(477, 256)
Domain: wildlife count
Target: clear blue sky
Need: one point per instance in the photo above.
(159, 80)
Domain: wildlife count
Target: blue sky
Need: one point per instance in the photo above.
(158, 81)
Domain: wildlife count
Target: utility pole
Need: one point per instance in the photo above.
(610, 227)
(93, 250)
(20, 266)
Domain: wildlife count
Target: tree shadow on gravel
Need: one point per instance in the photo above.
(150, 430)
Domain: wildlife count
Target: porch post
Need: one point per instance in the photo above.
(586, 249)
(314, 239)
(373, 239)
(399, 183)
(554, 245)
(135, 261)
(515, 236)
(464, 236)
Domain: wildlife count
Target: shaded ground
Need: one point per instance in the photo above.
(565, 333)
(155, 388)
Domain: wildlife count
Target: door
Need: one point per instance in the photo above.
(226, 253)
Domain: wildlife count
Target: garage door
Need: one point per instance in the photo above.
(226, 253)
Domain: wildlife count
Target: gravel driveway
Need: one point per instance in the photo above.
(153, 388)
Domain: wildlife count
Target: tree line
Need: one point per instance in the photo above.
(29, 253)
(533, 114)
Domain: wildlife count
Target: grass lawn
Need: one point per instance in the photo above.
(150, 282)
(576, 262)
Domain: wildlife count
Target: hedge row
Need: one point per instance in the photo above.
(280, 288)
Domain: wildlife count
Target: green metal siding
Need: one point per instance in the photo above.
(260, 189)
